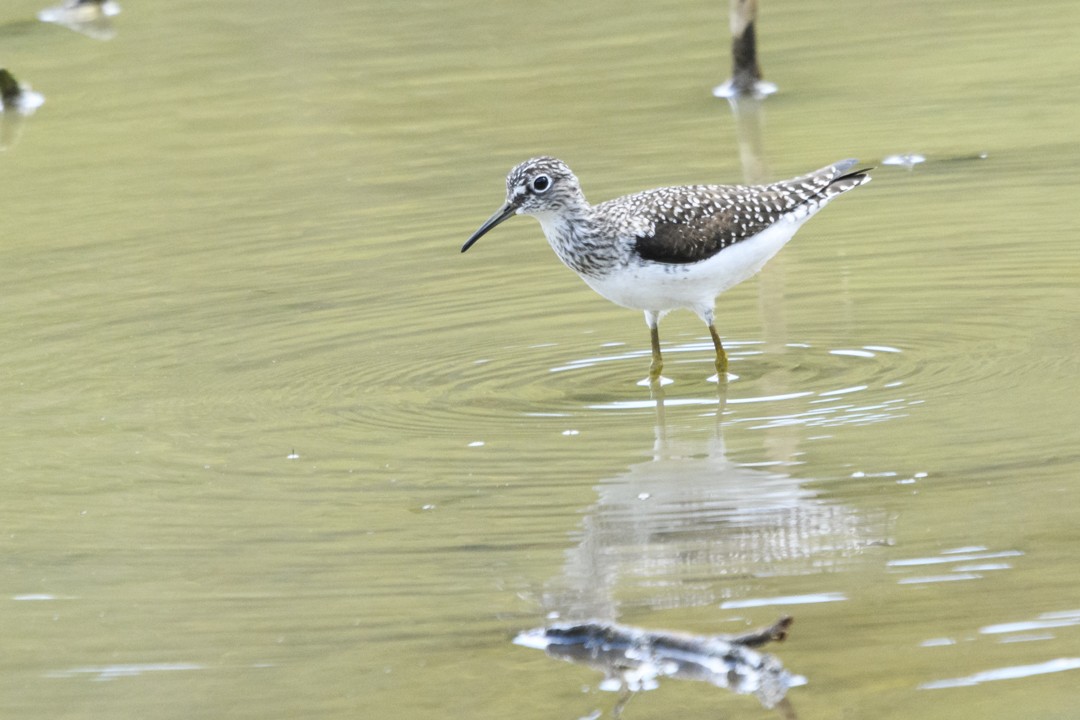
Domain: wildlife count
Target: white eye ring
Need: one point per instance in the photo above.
(540, 183)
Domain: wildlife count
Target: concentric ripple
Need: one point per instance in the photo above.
(483, 386)
(460, 368)
(795, 384)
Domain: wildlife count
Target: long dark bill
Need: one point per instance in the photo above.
(501, 214)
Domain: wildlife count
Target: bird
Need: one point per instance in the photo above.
(668, 248)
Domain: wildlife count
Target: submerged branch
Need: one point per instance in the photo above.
(634, 659)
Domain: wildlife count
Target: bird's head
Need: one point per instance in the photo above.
(540, 186)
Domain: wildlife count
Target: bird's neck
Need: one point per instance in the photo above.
(577, 238)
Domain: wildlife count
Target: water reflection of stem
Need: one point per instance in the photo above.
(624, 698)
(786, 710)
(10, 128)
(749, 122)
(749, 125)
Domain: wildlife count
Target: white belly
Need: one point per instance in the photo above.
(660, 287)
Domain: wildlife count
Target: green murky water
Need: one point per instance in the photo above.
(274, 448)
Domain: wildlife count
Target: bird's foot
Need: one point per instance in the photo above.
(721, 363)
(655, 379)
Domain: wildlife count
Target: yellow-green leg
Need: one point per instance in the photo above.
(657, 361)
(721, 356)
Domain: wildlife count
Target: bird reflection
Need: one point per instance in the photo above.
(690, 515)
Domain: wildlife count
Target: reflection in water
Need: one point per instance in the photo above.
(811, 599)
(836, 405)
(1047, 626)
(971, 569)
(906, 160)
(92, 18)
(749, 118)
(111, 672)
(1005, 673)
(689, 515)
(1047, 620)
(910, 160)
(691, 528)
(1040, 629)
(633, 659)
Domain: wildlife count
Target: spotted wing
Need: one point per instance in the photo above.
(698, 235)
(694, 223)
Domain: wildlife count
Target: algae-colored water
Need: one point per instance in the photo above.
(273, 448)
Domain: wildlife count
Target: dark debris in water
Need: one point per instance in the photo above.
(10, 90)
(634, 659)
(17, 96)
(17, 100)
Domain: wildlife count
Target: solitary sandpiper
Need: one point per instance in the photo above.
(671, 247)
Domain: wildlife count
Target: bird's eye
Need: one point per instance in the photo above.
(541, 183)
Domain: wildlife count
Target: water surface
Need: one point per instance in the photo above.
(274, 448)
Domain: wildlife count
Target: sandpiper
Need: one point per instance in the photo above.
(670, 247)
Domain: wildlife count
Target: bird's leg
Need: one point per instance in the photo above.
(657, 361)
(721, 356)
(652, 319)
